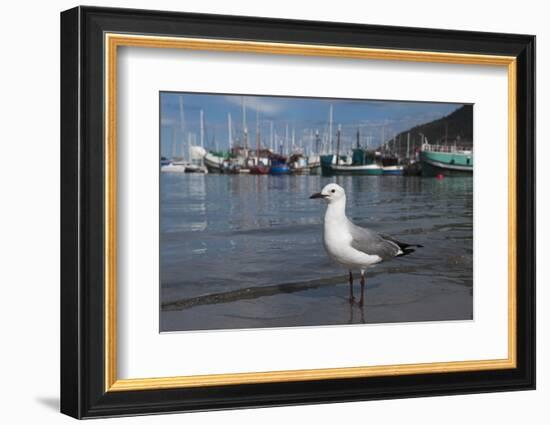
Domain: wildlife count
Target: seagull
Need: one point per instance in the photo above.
(352, 246)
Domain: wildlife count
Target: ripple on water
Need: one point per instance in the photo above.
(223, 233)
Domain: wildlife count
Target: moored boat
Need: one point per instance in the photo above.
(413, 168)
(363, 163)
(214, 163)
(298, 164)
(392, 167)
(328, 161)
(356, 170)
(196, 168)
(173, 168)
(446, 160)
(393, 170)
(260, 169)
(314, 164)
(279, 166)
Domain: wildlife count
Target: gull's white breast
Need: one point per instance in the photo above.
(337, 240)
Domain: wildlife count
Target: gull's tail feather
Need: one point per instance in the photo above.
(406, 248)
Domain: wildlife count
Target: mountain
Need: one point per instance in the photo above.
(458, 125)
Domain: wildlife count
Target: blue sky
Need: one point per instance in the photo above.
(376, 120)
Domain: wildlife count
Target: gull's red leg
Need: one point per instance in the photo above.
(362, 299)
(351, 297)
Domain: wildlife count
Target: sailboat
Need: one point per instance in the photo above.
(259, 164)
(173, 165)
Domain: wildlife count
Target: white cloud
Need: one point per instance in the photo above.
(167, 121)
(258, 104)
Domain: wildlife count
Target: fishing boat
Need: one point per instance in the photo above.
(314, 164)
(259, 165)
(196, 168)
(363, 163)
(279, 165)
(356, 170)
(393, 170)
(446, 160)
(214, 162)
(298, 164)
(259, 169)
(392, 167)
(413, 168)
(196, 163)
(330, 161)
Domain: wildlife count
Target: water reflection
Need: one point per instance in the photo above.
(227, 233)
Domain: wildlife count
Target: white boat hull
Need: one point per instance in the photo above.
(171, 168)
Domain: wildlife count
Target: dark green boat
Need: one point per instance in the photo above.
(363, 163)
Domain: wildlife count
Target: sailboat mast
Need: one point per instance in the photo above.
(286, 140)
(317, 142)
(202, 128)
(258, 136)
(399, 145)
(271, 135)
(229, 132)
(245, 130)
(330, 128)
(173, 141)
(338, 144)
(182, 126)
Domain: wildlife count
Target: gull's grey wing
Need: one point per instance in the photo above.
(372, 243)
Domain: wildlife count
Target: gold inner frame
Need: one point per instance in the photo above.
(113, 41)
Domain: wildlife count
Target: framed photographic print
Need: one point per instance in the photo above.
(261, 212)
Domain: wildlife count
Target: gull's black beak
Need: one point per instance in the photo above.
(317, 196)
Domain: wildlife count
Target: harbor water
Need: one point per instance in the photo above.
(245, 251)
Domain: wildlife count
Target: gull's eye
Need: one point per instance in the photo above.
(333, 190)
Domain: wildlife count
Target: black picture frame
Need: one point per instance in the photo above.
(83, 392)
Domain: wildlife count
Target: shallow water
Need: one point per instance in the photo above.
(242, 251)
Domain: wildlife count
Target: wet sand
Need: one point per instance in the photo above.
(405, 300)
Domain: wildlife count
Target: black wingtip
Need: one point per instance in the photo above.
(406, 248)
(405, 251)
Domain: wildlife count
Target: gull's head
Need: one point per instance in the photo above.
(330, 193)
